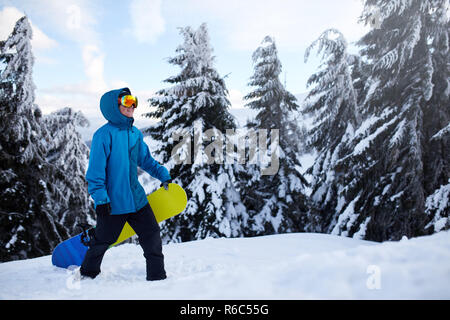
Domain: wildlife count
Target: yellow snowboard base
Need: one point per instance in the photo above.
(164, 203)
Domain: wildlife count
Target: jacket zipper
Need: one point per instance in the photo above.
(129, 164)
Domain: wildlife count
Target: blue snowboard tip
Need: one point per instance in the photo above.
(69, 253)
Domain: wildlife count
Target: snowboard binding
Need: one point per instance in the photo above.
(87, 234)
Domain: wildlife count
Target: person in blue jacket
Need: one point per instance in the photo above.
(117, 150)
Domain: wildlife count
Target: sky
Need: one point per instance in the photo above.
(84, 48)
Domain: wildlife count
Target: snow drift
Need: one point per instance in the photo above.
(285, 266)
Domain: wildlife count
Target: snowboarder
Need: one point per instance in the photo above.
(117, 149)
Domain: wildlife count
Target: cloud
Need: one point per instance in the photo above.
(40, 40)
(95, 84)
(8, 19)
(147, 21)
(293, 23)
(75, 21)
(94, 60)
(236, 98)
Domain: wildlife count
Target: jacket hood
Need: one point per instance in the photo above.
(110, 108)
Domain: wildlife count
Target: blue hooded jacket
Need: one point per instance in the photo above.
(117, 149)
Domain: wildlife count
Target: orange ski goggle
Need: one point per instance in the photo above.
(129, 101)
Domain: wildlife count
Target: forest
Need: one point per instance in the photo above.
(380, 133)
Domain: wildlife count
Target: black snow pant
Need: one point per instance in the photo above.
(108, 230)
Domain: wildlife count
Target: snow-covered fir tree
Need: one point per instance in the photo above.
(196, 102)
(69, 156)
(333, 103)
(437, 115)
(21, 151)
(19, 113)
(388, 173)
(29, 192)
(275, 202)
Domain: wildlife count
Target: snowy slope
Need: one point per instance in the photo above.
(288, 266)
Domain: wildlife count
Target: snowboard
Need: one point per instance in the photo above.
(164, 203)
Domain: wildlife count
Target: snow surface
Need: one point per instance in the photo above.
(286, 266)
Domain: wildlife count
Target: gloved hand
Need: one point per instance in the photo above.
(103, 209)
(165, 184)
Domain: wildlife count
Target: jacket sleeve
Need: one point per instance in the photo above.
(96, 173)
(149, 164)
